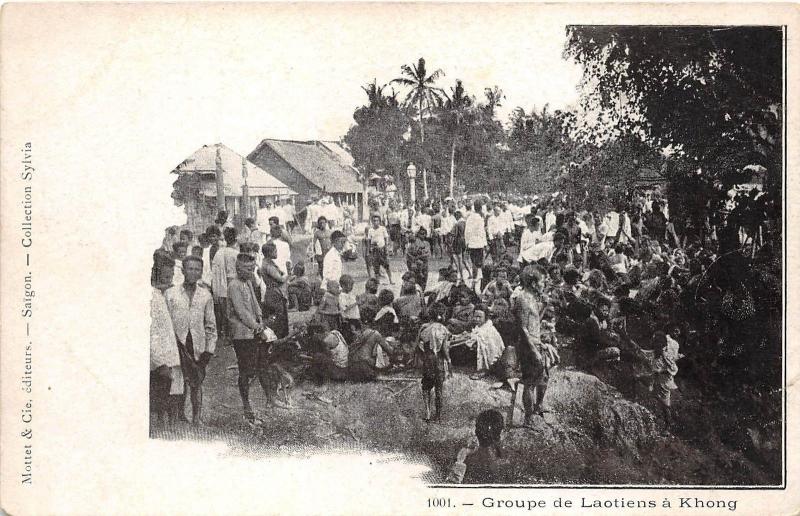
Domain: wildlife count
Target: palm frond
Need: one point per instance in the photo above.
(435, 76)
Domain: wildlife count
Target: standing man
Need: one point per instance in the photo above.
(166, 377)
(378, 241)
(332, 262)
(496, 231)
(321, 242)
(535, 358)
(288, 210)
(475, 239)
(283, 259)
(246, 327)
(192, 311)
(223, 270)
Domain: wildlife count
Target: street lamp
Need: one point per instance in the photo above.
(412, 178)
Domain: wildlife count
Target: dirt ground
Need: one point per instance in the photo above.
(593, 434)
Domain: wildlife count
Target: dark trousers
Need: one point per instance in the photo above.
(193, 375)
(253, 362)
(221, 315)
(159, 395)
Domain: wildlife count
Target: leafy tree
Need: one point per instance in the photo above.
(713, 94)
(376, 140)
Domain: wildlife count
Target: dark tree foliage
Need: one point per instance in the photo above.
(714, 93)
(376, 139)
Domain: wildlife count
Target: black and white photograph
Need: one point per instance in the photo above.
(403, 258)
(512, 288)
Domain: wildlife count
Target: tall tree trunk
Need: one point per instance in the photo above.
(452, 165)
(422, 144)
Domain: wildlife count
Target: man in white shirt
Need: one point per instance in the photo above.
(507, 219)
(284, 259)
(475, 239)
(192, 310)
(377, 239)
(496, 230)
(612, 223)
(533, 245)
(279, 212)
(332, 262)
(424, 221)
(288, 211)
(166, 375)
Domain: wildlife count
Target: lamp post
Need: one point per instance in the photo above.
(412, 178)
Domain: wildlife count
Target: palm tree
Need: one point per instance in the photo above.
(494, 100)
(376, 97)
(422, 95)
(457, 106)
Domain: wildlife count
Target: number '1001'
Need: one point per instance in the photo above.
(439, 502)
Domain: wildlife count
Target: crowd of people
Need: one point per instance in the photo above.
(526, 283)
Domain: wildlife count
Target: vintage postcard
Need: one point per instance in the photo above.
(398, 258)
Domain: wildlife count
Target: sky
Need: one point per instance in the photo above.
(135, 92)
(296, 74)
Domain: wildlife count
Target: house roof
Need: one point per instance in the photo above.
(203, 162)
(649, 177)
(341, 153)
(324, 164)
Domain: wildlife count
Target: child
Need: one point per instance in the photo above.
(348, 307)
(368, 301)
(299, 289)
(386, 320)
(328, 309)
(461, 319)
(433, 346)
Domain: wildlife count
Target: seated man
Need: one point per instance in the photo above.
(369, 353)
(486, 340)
(330, 354)
(461, 317)
(409, 304)
(593, 343)
(443, 289)
(499, 286)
